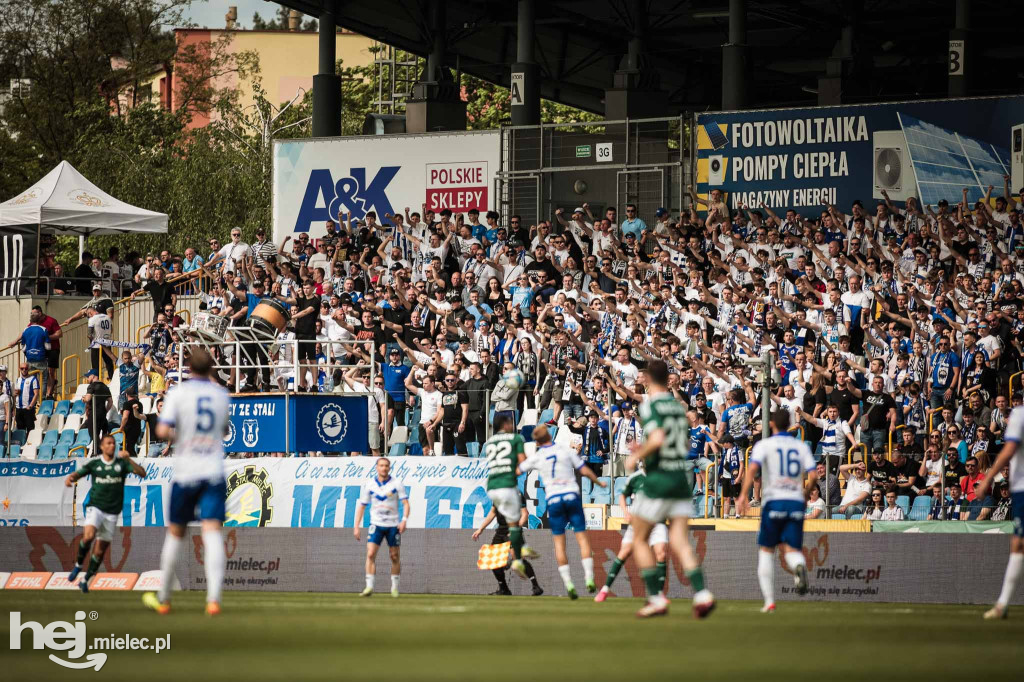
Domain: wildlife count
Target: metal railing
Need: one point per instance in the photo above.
(1009, 396)
(65, 392)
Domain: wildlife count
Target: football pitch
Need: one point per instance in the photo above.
(308, 636)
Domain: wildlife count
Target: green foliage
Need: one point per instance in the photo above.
(279, 22)
(487, 106)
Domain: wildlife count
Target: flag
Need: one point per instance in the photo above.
(493, 556)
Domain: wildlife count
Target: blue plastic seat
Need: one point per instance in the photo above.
(839, 517)
(546, 416)
(527, 432)
(919, 510)
(618, 487)
(63, 407)
(15, 451)
(61, 452)
(78, 407)
(553, 430)
(46, 408)
(67, 436)
(18, 436)
(3, 450)
(856, 517)
(903, 502)
(473, 449)
(44, 452)
(602, 495)
(83, 439)
(698, 504)
(51, 437)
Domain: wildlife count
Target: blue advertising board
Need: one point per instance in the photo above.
(297, 423)
(804, 159)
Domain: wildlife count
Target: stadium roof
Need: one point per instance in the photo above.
(899, 50)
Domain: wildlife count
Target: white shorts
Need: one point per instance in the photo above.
(506, 501)
(658, 510)
(659, 535)
(104, 523)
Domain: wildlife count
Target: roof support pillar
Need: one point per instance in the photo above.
(327, 83)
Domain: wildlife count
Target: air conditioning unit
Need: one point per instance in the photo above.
(891, 167)
(1016, 158)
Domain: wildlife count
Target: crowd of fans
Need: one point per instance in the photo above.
(894, 331)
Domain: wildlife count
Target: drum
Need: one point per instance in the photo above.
(269, 317)
(209, 327)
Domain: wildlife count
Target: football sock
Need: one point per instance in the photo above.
(696, 577)
(168, 557)
(765, 576)
(369, 580)
(588, 568)
(499, 575)
(394, 581)
(662, 574)
(650, 576)
(794, 559)
(566, 577)
(1010, 580)
(83, 549)
(515, 534)
(530, 573)
(215, 560)
(613, 572)
(94, 566)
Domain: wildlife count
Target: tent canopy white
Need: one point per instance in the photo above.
(64, 202)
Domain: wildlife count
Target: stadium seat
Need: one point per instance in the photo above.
(414, 450)
(78, 407)
(546, 416)
(602, 495)
(698, 504)
(61, 452)
(81, 391)
(42, 422)
(397, 450)
(553, 430)
(46, 408)
(51, 437)
(919, 510)
(15, 451)
(856, 517)
(838, 517)
(399, 435)
(620, 485)
(27, 452)
(83, 439)
(903, 502)
(55, 422)
(3, 450)
(147, 403)
(35, 437)
(473, 449)
(44, 452)
(63, 407)
(527, 432)
(74, 422)
(67, 436)
(18, 436)
(529, 418)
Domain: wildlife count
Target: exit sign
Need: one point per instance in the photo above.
(582, 151)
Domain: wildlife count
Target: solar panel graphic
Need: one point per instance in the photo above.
(715, 135)
(945, 162)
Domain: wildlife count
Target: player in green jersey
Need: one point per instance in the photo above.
(504, 451)
(658, 539)
(106, 499)
(667, 492)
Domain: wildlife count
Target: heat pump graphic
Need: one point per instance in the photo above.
(892, 169)
(716, 170)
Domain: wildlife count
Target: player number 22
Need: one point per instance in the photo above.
(789, 462)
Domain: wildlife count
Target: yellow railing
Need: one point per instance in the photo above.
(67, 392)
(1013, 376)
(709, 489)
(891, 435)
(138, 332)
(83, 448)
(798, 428)
(42, 384)
(858, 446)
(186, 315)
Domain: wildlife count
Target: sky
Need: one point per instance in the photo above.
(210, 13)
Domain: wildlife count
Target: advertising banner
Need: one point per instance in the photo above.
(844, 567)
(34, 493)
(996, 527)
(313, 422)
(804, 159)
(315, 179)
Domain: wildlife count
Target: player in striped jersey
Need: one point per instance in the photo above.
(1012, 453)
(195, 418)
(783, 462)
(557, 466)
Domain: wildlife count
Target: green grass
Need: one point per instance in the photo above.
(299, 636)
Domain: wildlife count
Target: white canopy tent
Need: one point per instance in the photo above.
(64, 202)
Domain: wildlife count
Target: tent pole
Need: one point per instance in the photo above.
(81, 247)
